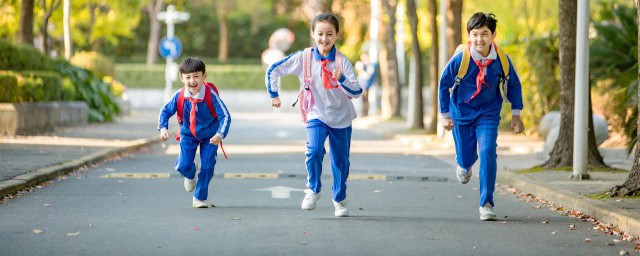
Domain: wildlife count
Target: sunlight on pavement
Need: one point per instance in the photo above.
(63, 141)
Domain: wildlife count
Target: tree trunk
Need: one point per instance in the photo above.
(223, 49)
(325, 6)
(433, 67)
(417, 121)
(45, 23)
(389, 65)
(454, 23)
(25, 35)
(66, 24)
(154, 7)
(562, 153)
(631, 186)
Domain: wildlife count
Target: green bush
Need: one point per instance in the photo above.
(40, 86)
(30, 86)
(229, 77)
(22, 57)
(8, 86)
(97, 63)
(89, 88)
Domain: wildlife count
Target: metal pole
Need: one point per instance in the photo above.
(581, 115)
(442, 56)
(170, 16)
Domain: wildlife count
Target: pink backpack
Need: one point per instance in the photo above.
(305, 96)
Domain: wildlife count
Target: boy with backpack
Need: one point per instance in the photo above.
(470, 104)
(207, 124)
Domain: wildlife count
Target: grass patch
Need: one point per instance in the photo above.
(537, 169)
(224, 76)
(602, 196)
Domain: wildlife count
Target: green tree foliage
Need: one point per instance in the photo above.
(614, 66)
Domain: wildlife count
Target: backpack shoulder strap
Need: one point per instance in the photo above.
(504, 62)
(180, 105)
(306, 65)
(209, 99)
(464, 65)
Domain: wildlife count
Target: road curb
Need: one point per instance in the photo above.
(625, 220)
(51, 172)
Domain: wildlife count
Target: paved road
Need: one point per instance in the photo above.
(401, 204)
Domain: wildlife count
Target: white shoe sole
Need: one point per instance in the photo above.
(487, 217)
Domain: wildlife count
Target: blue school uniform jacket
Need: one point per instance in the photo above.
(488, 103)
(206, 125)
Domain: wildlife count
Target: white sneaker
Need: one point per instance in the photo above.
(463, 175)
(341, 209)
(190, 184)
(486, 212)
(310, 199)
(199, 203)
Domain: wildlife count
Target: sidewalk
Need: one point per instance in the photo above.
(26, 161)
(554, 188)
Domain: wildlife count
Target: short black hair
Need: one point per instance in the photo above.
(481, 19)
(328, 17)
(192, 65)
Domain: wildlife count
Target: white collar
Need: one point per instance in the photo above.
(477, 56)
(200, 95)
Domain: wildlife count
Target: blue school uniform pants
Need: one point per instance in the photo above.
(186, 166)
(479, 137)
(340, 145)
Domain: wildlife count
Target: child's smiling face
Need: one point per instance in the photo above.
(481, 39)
(324, 34)
(193, 81)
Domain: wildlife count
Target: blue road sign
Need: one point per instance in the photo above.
(170, 47)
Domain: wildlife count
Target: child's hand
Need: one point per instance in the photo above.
(275, 102)
(215, 140)
(336, 74)
(447, 123)
(516, 124)
(164, 134)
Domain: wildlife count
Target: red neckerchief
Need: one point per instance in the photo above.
(327, 76)
(481, 75)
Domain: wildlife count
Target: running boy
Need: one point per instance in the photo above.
(471, 104)
(206, 124)
(328, 84)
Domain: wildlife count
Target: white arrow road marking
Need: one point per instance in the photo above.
(280, 191)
